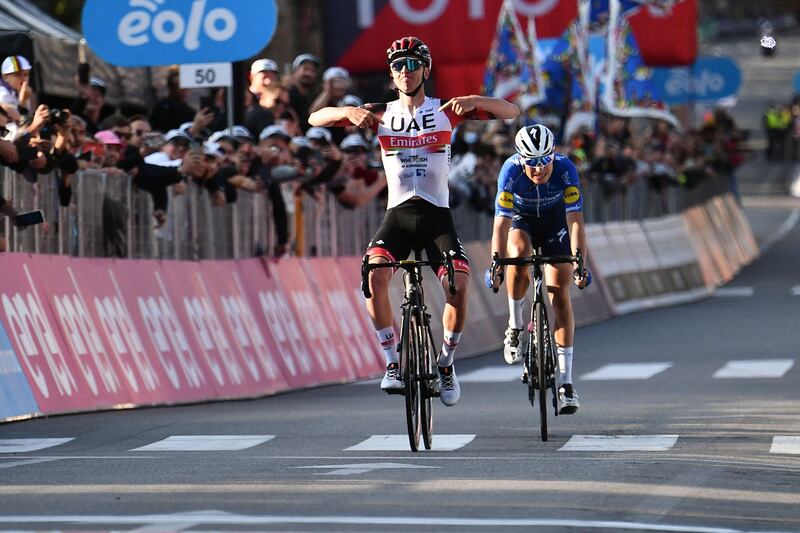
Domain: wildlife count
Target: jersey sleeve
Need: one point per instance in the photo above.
(475, 114)
(377, 109)
(573, 197)
(504, 201)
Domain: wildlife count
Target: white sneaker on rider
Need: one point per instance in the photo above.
(449, 389)
(567, 400)
(512, 347)
(391, 379)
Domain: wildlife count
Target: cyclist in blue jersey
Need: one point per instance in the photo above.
(539, 203)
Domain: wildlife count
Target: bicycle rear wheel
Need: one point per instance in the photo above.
(428, 377)
(541, 365)
(409, 358)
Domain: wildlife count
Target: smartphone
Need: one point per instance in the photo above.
(207, 102)
(31, 218)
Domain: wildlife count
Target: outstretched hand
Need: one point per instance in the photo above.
(461, 105)
(361, 117)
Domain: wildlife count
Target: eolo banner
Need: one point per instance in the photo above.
(140, 33)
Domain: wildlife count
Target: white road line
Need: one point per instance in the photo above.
(796, 290)
(217, 518)
(26, 462)
(735, 292)
(764, 368)
(787, 226)
(29, 445)
(205, 443)
(616, 371)
(382, 443)
(619, 443)
(492, 374)
(786, 445)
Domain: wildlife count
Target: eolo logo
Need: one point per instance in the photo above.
(164, 32)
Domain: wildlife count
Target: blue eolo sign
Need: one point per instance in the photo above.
(709, 79)
(141, 33)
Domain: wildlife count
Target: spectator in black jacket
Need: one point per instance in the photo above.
(172, 111)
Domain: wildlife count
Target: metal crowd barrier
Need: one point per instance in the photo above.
(196, 229)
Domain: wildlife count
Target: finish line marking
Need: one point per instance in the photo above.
(219, 518)
(764, 368)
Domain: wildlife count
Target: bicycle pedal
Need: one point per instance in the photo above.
(395, 392)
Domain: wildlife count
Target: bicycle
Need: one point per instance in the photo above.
(541, 363)
(417, 349)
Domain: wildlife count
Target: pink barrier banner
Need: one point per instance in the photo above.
(61, 379)
(342, 315)
(329, 353)
(222, 281)
(280, 323)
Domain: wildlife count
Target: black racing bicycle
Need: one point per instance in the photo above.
(541, 363)
(418, 355)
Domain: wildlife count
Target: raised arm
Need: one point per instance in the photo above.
(467, 106)
(344, 116)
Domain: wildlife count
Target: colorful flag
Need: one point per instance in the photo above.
(629, 86)
(510, 70)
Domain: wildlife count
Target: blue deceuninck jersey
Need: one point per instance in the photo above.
(518, 195)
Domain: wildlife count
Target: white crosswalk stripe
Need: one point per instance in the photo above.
(620, 371)
(765, 368)
(397, 443)
(205, 443)
(786, 444)
(734, 292)
(619, 443)
(29, 445)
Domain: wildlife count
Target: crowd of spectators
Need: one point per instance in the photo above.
(275, 152)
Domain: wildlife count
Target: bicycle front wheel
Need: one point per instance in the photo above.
(541, 365)
(409, 360)
(428, 383)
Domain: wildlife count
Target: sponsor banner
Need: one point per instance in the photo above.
(108, 331)
(16, 398)
(329, 353)
(481, 333)
(349, 269)
(724, 230)
(674, 253)
(341, 317)
(279, 322)
(480, 258)
(742, 229)
(667, 36)
(258, 352)
(709, 79)
(60, 381)
(716, 270)
(591, 304)
(143, 33)
(627, 283)
(150, 298)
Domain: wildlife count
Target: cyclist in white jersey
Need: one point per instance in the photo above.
(415, 132)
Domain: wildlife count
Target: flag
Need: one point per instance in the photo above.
(510, 70)
(629, 86)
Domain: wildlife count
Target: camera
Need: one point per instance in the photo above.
(59, 117)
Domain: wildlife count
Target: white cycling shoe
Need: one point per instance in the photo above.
(512, 346)
(567, 400)
(449, 389)
(391, 381)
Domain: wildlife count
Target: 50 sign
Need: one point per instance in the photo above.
(142, 33)
(198, 76)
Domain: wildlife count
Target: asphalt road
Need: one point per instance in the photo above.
(676, 446)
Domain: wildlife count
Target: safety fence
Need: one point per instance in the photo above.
(79, 334)
(110, 217)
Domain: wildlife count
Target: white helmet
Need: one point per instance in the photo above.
(533, 142)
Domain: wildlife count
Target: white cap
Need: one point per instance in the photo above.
(305, 58)
(175, 134)
(354, 140)
(94, 81)
(13, 64)
(335, 72)
(319, 134)
(274, 131)
(302, 141)
(212, 148)
(351, 100)
(261, 65)
(239, 132)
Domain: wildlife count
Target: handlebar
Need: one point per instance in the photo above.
(409, 265)
(537, 259)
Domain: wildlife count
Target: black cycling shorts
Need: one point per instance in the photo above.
(417, 224)
(548, 232)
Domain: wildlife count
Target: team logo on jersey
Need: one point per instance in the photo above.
(506, 200)
(571, 195)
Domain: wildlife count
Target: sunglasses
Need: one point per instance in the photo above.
(123, 135)
(410, 64)
(538, 161)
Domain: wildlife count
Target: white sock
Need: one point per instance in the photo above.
(564, 364)
(515, 312)
(449, 344)
(388, 343)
